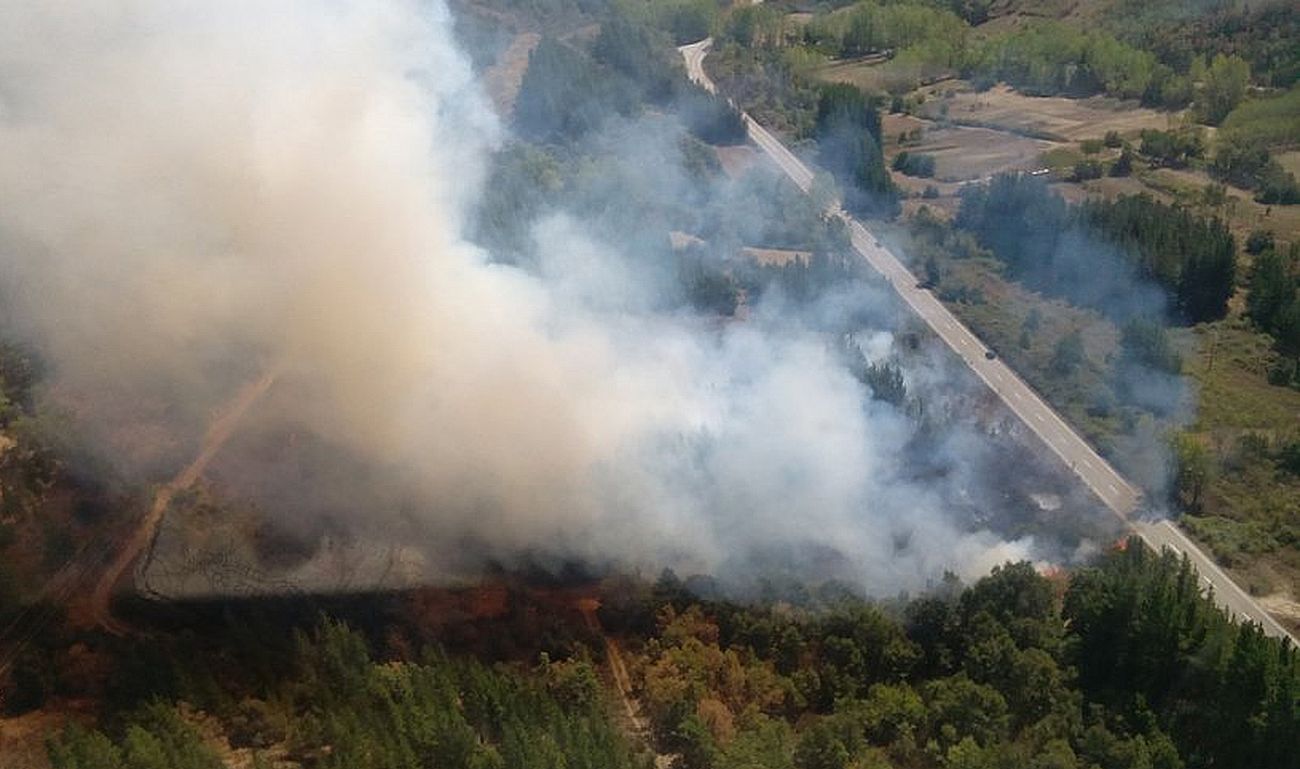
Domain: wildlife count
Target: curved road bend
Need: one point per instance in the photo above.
(1120, 496)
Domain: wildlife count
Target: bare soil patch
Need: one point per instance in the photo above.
(1284, 607)
(961, 154)
(1290, 161)
(736, 161)
(1004, 108)
(502, 80)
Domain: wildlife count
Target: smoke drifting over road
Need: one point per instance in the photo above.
(191, 192)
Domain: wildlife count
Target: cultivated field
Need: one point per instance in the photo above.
(1049, 117)
(963, 154)
(873, 73)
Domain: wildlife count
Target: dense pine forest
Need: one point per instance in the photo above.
(1125, 665)
(1130, 241)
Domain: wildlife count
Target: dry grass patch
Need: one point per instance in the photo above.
(870, 73)
(1005, 109)
(736, 161)
(961, 153)
(502, 80)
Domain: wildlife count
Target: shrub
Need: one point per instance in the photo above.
(1259, 241)
(1123, 165)
(914, 164)
(1085, 170)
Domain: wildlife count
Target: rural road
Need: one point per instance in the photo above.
(640, 725)
(1120, 496)
(222, 427)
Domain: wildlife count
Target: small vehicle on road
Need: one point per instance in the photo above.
(990, 354)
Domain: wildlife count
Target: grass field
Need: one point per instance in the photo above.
(1251, 516)
(1290, 161)
(872, 73)
(1056, 117)
(962, 154)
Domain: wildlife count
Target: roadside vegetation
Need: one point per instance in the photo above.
(1144, 278)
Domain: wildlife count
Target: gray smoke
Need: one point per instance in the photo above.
(194, 192)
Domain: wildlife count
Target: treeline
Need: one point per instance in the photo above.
(1043, 57)
(866, 28)
(1134, 667)
(1123, 666)
(1243, 147)
(1193, 257)
(37, 533)
(766, 84)
(1264, 34)
(1274, 302)
(1072, 251)
(847, 130)
(337, 705)
(1050, 58)
(567, 92)
(1128, 56)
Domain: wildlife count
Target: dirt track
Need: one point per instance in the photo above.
(640, 725)
(218, 434)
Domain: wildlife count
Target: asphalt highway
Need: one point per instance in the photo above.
(1120, 496)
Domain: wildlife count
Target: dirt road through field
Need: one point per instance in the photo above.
(219, 432)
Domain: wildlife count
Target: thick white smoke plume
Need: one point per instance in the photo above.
(191, 192)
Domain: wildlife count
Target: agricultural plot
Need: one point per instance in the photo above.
(1047, 117)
